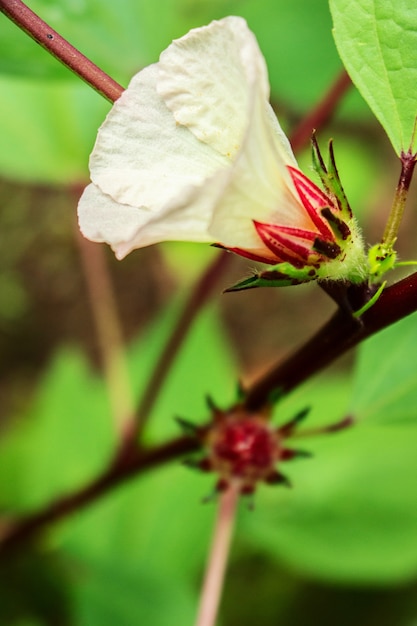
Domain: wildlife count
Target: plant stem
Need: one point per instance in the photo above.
(336, 337)
(216, 566)
(126, 464)
(408, 162)
(72, 58)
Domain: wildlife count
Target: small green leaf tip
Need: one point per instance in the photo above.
(281, 275)
(186, 426)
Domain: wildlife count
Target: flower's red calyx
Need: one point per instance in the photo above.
(328, 247)
(244, 449)
(313, 199)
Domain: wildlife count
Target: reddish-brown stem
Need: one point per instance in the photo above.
(126, 464)
(49, 39)
(408, 163)
(322, 112)
(341, 333)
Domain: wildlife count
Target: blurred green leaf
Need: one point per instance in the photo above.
(66, 438)
(49, 129)
(203, 367)
(124, 596)
(125, 36)
(385, 383)
(351, 514)
(377, 41)
(148, 537)
(298, 47)
(69, 434)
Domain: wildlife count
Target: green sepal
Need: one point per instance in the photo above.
(186, 426)
(330, 178)
(281, 275)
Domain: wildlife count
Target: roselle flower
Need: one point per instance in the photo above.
(192, 151)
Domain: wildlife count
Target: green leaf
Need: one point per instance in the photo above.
(377, 41)
(66, 438)
(385, 382)
(147, 541)
(350, 515)
(118, 594)
(123, 37)
(49, 129)
(204, 366)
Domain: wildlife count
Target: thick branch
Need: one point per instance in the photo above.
(341, 333)
(49, 39)
(126, 464)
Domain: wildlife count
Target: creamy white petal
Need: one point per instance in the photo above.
(279, 138)
(260, 187)
(207, 78)
(142, 157)
(126, 228)
(104, 220)
(192, 150)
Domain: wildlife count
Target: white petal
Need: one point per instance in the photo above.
(204, 174)
(126, 228)
(142, 157)
(104, 220)
(260, 187)
(207, 78)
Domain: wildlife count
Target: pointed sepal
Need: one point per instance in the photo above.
(281, 275)
(188, 428)
(330, 178)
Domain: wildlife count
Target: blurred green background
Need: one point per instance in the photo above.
(338, 548)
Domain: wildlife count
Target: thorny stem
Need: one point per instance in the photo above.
(337, 336)
(216, 566)
(49, 39)
(408, 162)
